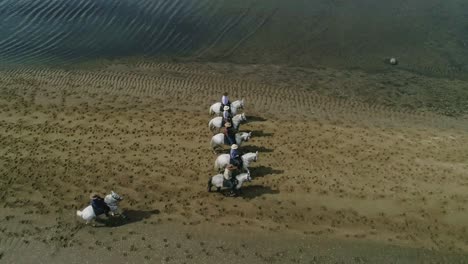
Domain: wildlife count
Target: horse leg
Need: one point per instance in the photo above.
(209, 185)
(233, 193)
(93, 222)
(218, 189)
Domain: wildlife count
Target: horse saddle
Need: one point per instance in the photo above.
(236, 162)
(227, 142)
(100, 207)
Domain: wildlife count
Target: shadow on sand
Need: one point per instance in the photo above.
(250, 148)
(260, 133)
(255, 118)
(128, 217)
(252, 191)
(263, 171)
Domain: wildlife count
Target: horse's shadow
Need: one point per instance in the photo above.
(252, 191)
(251, 148)
(262, 171)
(127, 217)
(256, 118)
(260, 133)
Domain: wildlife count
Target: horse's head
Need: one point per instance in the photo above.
(256, 155)
(246, 136)
(115, 196)
(244, 177)
(243, 118)
(249, 157)
(240, 104)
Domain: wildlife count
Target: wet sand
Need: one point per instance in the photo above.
(337, 179)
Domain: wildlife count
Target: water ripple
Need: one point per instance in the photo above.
(50, 31)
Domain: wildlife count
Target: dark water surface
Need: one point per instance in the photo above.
(427, 36)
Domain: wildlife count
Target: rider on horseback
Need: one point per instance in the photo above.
(227, 117)
(230, 134)
(225, 101)
(230, 180)
(99, 206)
(235, 157)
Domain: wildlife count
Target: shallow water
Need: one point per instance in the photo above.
(425, 36)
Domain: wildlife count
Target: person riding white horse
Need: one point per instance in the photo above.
(225, 100)
(219, 140)
(227, 117)
(99, 206)
(229, 132)
(228, 180)
(235, 157)
(216, 123)
(225, 159)
(218, 108)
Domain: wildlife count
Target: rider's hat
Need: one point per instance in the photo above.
(227, 124)
(234, 146)
(226, 108)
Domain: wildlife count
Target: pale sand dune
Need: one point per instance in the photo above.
(329, 169)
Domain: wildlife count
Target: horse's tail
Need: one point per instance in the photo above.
(216, 167)
(79, 213)
(210, 125)
(212, 143)
(211, 110)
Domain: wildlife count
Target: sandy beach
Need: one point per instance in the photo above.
(341, 178)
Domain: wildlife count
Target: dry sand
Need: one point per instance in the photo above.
(336, 180)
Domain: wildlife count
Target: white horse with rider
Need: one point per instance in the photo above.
(111, 200)
(216, 123)
(223, 160)
(215, 108)
(218, 140)
(218, 179)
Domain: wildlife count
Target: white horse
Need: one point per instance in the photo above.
(223, 160)
(236, 105)
(217, 122)
(218, 139)
(218, 179)
(112, 200)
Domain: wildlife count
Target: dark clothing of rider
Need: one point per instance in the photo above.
(99, 206)
(230, 135)
(234, 153)
(235, 158)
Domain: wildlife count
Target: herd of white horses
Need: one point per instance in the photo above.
(217, 142)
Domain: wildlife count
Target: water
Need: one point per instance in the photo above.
(65, 31)
(428, 37)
